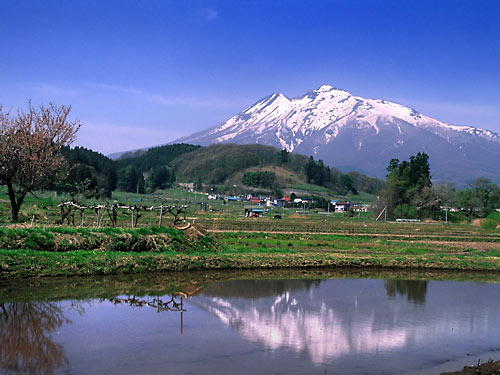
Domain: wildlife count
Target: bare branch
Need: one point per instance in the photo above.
(30, 145)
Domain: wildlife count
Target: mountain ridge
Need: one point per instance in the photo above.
(384, 108)
(343, 129)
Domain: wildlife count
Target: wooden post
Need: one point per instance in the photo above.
(101, 214)
(112, 215)
(161, 215)
(182, 320)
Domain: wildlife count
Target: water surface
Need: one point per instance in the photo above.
(246, 326)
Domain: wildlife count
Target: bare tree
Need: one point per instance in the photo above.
(30, 145)
(26, 344)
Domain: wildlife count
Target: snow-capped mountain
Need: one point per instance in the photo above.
(355, 133)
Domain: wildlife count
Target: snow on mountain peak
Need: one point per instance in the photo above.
(325, 113)
(323, 88)
(327, 109)
(350, 131)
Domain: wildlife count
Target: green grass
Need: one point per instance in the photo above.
(68, 239)
(249, 253)
(361, 197)
(305, 241)
(308, 188)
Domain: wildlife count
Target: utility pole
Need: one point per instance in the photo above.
(186, 202)
(381, 212)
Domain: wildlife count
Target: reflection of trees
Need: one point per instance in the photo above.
(415, 290)
(160, 305)
(26, 345)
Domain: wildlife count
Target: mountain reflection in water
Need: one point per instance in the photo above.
(341, 317)
(297, 326)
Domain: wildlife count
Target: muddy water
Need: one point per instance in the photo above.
(281, 326)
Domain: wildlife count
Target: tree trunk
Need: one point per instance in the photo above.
(15, 203)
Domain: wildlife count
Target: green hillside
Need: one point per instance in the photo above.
(217, 163)
(88, 171)
(261, 166)
(241, 167)
(152, 164)
(153, 157)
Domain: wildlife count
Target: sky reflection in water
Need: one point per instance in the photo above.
(352, 326)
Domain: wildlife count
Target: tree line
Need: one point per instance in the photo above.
(92, 174)
(320, 174)
(259, 179)
(410, 194)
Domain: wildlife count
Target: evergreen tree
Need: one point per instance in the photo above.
(131, 180)
(158, 177)
(284, 156)
(406, 185)
(110, 180)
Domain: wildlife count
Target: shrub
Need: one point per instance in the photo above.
(489, 223)
(405, 211)
(495, 215)
(39, 240)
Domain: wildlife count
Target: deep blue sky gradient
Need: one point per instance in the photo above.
(142, 73)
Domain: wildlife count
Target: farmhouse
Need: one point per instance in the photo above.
(280, 202)
(254, 211)
(341, 206)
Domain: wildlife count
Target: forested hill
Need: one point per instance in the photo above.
(223, 164)
(153, 164)
(154, 157)
(89, 172)
(93, 174)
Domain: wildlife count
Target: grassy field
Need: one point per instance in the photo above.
(42, 209)
(38, 248)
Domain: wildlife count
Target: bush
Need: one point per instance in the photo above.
(39, 240)
(489, 223)
(405, 211)
(495, 215)
(454, 217)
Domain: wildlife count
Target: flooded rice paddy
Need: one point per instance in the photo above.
(247, 323)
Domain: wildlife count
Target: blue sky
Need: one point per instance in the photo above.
(143, 73)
